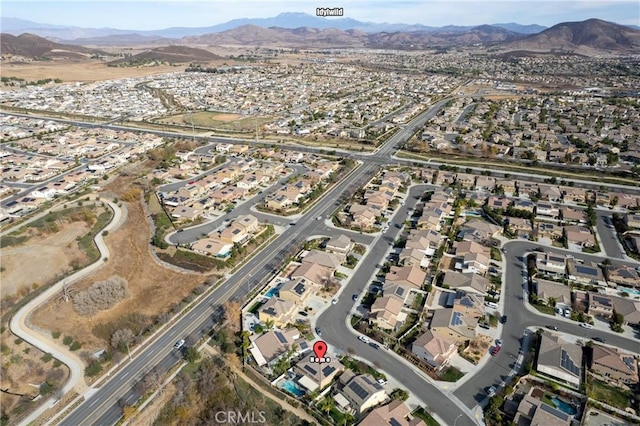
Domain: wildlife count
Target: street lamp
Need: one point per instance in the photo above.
(456, 420)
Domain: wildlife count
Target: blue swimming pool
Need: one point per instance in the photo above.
(271, 292)
(291, 387)
(564, 407)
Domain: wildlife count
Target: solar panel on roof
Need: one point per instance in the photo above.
(280, 337)
(310, 369)
(567, 363)
(456, 319)
(466, 302)
(328, 370)
(587, 270)
(358, 390)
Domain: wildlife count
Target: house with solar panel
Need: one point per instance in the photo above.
(612, 364)
(559, 359)
(587, 272)
(314, 376)
(450, 324)
(362, 391)
(267, 348)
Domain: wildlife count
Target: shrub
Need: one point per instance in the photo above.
(101, 295)
(93, 369)
(67, 340)
(46, 357)
(75, 346)
(55, 334)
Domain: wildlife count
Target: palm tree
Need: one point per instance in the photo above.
(268, 324)
(326, 405)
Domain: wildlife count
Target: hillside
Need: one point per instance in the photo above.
(171, 54)
(31, 46)
(592, 35)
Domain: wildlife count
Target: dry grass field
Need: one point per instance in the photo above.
(79, 71)
(217, 120)
(154, 288)
(54, 254)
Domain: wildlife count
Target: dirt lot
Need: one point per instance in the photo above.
(23, 371)
(154, 289)
(80, 71)
(225, 117)
(54, 254)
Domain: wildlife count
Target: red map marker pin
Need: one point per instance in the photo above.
(320, 348)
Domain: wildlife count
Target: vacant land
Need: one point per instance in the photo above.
(154, 289)
(218, 120)
(26, 372)
(54, 254)
(79, 71)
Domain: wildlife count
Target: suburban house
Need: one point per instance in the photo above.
(395, 413)
(551, 290)
(559, 359)
(212, 247)
(340, 246)
(314, 376)
(297, 290)
(623, 275)
(434, 350)
(520, 227)
(614, 365)
(386, 313)
(532, 411)
(363, 216)
(585, 273)
(547, 209)
(267, 348)
(479, 231)
(551, 263)
(449, 324)
(277, 310)
(467, 282)
(571, 215)
(314, 273)
(549, 230)
(579, 237)
(362, 391)
(322, 258)
(248, 222)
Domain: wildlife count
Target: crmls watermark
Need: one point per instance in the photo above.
(236, 417)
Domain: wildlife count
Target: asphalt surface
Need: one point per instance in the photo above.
(519, 318)
(608, 237)
(104, 407)
(335, 331)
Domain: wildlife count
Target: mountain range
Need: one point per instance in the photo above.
(588, 37)
(18, 26)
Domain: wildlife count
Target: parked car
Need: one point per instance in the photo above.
(552, 327)
(354, 297)
(364, 338)
(496, 350)
(484, 325)
(599, 339)
(318, 332)
(586, 325)
(499, 342)
(179, 344)
(374, 345)
(334, 301)
(503, 319)
(303, 313)
(491, 390)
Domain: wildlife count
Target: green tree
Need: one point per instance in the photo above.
(192, 355)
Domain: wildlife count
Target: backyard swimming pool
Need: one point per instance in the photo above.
(291, 387)
(564, 407)
(271, 292)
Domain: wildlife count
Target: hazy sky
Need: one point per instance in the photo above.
(157, 14)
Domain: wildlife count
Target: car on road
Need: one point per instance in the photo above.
(586, 325)
(552, 327)
(364, 338)
(334, 301)
(179, 344)
(374, 345)
(354, 297)
(503, 319)
(599, 339)
(496, 350)
(319, 218)
(292, 223)
(318, 332)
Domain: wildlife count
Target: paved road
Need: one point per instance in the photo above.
(519, 318)
(336, 332)
(608, 237)
(104, 406)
